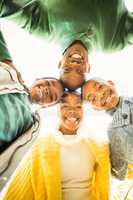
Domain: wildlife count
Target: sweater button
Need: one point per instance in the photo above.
(125, 116)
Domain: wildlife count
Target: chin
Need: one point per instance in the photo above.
(72, 87)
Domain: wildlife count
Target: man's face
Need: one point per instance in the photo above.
(100, 94)
(73, 66)
(46, 91)
(71, 113)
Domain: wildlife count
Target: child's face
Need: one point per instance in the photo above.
(46, 91)
(71, 112)
(100, 94)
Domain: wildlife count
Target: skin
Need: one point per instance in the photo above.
(71, 113)
(74, 66)
(100, 94)
(46, 92)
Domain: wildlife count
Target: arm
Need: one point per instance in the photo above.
(28, 14)
(128, 29)
(28, 182)
(20, 185)
(102, 172)
(124, 33)
(119, 164)
(31, 15)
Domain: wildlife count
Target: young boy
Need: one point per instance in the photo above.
(102, 95)
(16, 115)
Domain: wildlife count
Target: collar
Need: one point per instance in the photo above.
(67, 139)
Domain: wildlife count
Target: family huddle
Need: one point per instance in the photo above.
(65, 165)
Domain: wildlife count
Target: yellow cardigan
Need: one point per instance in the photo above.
(38, 176)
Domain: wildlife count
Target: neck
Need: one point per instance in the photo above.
(66, 131)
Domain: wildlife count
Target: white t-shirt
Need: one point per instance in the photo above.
(77, 164)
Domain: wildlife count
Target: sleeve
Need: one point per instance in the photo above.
(130, 171)
(30, 15)
(102, 173)
(119, 164)
(4, 53)
(20, 185)
(124, 34)
(129, 29)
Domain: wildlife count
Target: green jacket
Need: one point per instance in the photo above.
(100, 24)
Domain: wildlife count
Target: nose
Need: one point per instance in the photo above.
(102, 97)
(71, 111)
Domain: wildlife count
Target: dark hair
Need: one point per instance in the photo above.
(47, 77)
(75, 41)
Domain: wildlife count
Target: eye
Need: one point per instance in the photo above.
(64, 107)
(79, 107)
(47, 83)
(80, 71)
(66, 70)
(91, 99)
(100, 87)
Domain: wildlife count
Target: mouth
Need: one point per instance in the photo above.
(108, 99)
(76, 57)
(74, 120)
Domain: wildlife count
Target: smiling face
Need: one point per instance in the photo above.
(71, 113)
(73, 66)
(46, 91)
(100, 94)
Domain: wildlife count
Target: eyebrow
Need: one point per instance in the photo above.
(95, 84)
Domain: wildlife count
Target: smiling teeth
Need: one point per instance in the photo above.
(72, 119)
(76, 56)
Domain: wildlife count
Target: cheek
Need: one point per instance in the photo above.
(62, 113)
(34, 93)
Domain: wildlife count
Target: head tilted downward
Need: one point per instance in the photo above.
(46, 91)
(74, 65)
(100, 94)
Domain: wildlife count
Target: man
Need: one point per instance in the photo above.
(99, 25)
(102, 95)
(105, 25)
(16, 115)
(63, 165)
(74, 66)
(46, 91)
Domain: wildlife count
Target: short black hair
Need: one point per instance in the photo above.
(75, 41)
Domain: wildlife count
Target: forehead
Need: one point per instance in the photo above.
(46, 81)
(95, 83)
(71, 98)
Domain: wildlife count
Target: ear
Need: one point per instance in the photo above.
(88, 68)
(111, 83)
